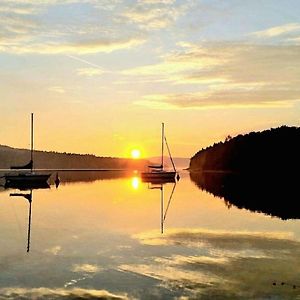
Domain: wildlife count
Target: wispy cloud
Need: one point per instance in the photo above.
(278, 30)
(157, 1)
(84, 47)
(295, 40)
(227, 75)
(15, 29)
(125, 27)
(153, 14)
(28, 27)
(221, 100)
(18, 10)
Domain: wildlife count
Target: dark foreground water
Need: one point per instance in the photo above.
(113, 239)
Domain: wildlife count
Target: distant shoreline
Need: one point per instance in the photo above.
(57, 161)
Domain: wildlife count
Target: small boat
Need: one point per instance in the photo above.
(26, 175)
(157, 173)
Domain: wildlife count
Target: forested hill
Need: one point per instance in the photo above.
(277, 149)
(55, 160)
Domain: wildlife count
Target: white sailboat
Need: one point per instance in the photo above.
(157, 173)
(28, 177)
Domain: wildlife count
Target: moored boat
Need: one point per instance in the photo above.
(28, 177)
(157, 173)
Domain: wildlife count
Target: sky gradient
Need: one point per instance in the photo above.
(101, 76)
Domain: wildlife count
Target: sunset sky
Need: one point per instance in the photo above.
(102, 75)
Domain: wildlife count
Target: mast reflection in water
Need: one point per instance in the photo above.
(163, 211)
(27, 196)
(29, 187)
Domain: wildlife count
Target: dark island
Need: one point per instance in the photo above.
(276, 149)
(256, 171)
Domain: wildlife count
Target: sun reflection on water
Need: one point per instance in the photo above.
(135, 182)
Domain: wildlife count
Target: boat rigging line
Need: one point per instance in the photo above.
(170, 155)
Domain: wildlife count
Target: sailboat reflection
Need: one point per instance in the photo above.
(163, 211)
(30, 186)
(25, 186)
(28, 197)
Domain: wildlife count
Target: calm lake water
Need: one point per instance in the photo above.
(103, 238)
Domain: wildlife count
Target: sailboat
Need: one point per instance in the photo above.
(157, 173)
(29, 177)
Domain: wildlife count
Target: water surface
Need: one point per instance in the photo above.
(103, 238)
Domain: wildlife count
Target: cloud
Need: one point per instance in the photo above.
(29, 6)
(223, 99)
(227, 75)
(82, 47)
(157, 1)
(39, 293)
(90, 72)
(169, 67)
(153, 14)
(235, 62)
(277, 30)
(295, 40)
(46, 2)
(14, 29)
(21, 10)
(27, 27)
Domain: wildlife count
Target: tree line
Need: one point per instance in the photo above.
(273, 149)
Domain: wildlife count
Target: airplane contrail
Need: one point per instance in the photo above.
(84, 61)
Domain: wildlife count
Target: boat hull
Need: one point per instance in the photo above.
(27, 178)
(158, 176)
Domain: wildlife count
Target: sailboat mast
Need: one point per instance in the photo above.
(31, 150)
(162, 144)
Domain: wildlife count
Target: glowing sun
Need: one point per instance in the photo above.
(135, 153)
